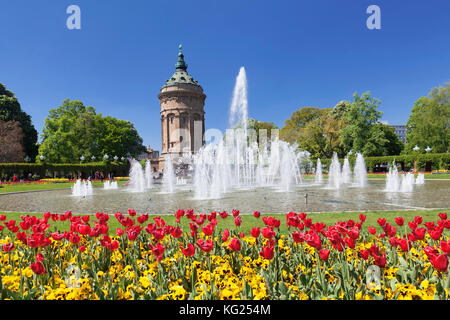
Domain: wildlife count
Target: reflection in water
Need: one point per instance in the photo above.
(432, 194)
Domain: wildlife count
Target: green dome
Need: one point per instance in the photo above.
(180, 75)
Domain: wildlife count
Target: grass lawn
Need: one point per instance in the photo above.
(249, 221)
(30, 186)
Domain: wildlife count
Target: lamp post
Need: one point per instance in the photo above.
(416, 149)
(428, 149)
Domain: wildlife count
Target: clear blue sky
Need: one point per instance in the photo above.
(296, 53)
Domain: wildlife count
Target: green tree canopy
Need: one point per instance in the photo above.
(73, 130)
(10, 110)
(429, 122)
(361, 115)
(298, 120)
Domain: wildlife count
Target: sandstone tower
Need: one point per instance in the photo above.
(182, 114)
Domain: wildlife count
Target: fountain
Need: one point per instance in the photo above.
(238, 161)
(360, 171)
(82, 189)
(420, 178)
(148, 175)
(168, 180)
(334, 173)
(109, 185)
(318, 177)
(136, 175)
(346, 171)
(396, 182)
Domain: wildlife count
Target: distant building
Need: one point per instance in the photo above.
(400, 131)
(148, 154)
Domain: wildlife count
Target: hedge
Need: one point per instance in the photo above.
(424, 162)
(49, 169)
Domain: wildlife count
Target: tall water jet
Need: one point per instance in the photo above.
(318, 177)
(136, 175)
(239, 103)
(346, 171)
(148, 175)
(360, 171)
(334, 173)
(168, 181)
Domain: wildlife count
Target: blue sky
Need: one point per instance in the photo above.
(296, 53)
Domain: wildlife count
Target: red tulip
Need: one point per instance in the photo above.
(237, 221)
(119, 232)
(223, 214)
(255, 232)
(445, 246)
(440, 262)
(364, 254)
(435, 234)
(158, 251)
(443, 215)
(298, 236)
(38, 268)
(205, 246)
(267, 252)
(235, 213)
(399, 221)
(225, 235)
(362, 217)
(372, 230)
(8, 247)
(268, 232)
(177, 232)
(132, 212)
(381, 221)
(2, 217)
(189, 251)
(418, 219)
(256, 214)
(133, 232)
(208, 229)
(419, 233)
(82, 248)
(323, 254)
(158, 234)
(235, 244)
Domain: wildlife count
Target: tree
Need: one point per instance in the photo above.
(429, 122)
(298, 120)
(382, 141)
(73, 130)
(11, 142)
(10, 110)
(361, 115)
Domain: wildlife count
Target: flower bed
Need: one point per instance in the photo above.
(150, 259)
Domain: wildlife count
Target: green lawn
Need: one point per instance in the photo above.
(248, 221)
(18, 187)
